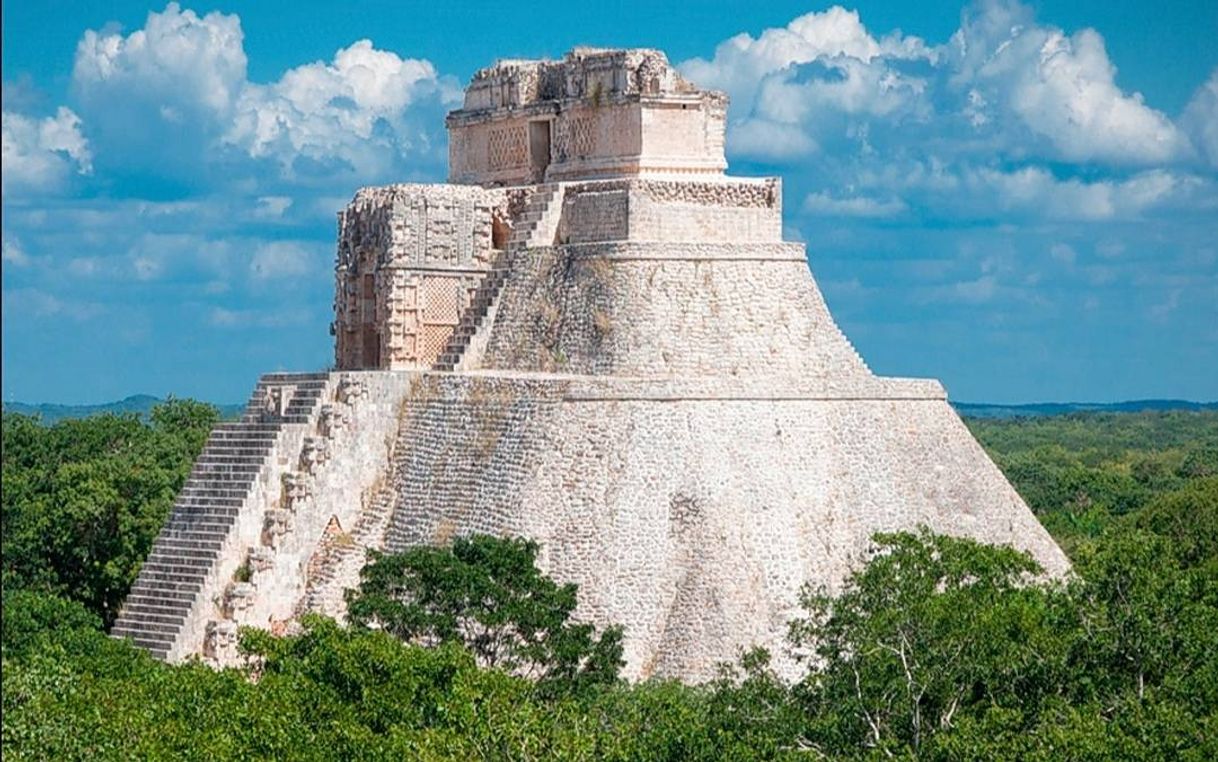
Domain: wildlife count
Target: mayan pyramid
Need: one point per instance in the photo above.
(593, 337)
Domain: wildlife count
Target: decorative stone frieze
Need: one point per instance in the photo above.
(220, 641)
(331, 420)
(260, 559)
(238, 598)
(276, 523)
(297, 488)
(350, 390)
(313, 454)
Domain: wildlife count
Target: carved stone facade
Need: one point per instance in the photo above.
(595, 113)
(409, 257)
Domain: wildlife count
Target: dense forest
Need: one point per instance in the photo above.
(937, 648)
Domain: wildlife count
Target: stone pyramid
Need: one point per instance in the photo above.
(594, 338)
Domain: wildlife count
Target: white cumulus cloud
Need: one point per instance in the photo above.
(1060, 87)
(1201, 119)
(354, 108)
(173, 98)
(1002, 85)
(39, 154)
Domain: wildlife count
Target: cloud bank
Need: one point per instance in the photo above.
(365, 114)
(997, 189)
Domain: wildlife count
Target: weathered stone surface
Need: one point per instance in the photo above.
(629, 366)
(595, 113)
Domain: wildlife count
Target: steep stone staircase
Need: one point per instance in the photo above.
(206, 510)
(536, 226)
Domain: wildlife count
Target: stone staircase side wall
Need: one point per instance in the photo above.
(358, 431)
(265, 491)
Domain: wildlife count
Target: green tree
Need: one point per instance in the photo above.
(932, 630)
(84, 499)
(487, 593)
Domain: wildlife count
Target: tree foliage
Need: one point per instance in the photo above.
(486, 593)
(84, 499)
(935, 648)
(1082, 472)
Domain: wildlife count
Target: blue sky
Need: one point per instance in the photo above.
(1020, 200)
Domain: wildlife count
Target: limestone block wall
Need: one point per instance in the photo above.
(694, 522)
(665, 309)
(706, 211)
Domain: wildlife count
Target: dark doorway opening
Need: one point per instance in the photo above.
(539, 149)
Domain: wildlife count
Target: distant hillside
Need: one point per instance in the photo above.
(143, 403)
(136, 403)
(989, 410)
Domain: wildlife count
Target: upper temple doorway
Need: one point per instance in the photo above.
(539, 149)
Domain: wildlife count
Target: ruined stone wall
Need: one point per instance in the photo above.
(635, 309)
(694, 522)
(409, 256)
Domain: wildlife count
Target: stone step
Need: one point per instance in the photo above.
(201, 518)
(130, 618)
(210, 471)
(226, 464)
(208, 501)
(212, 489)
(223, 475)
(236, 452)
(173, 558)
(297, 419)
(246, 431)
(182, 570)
(211, 524)
(221, 465)
(193, 513)
(169, 599)
(195, 541)
(165, 597)
(152, 588)
(137, 616)
(157, 642)
(241, 426)
(185, 549)
(238, 441)
(146, 629)
(157, 616)
(165, 588)
(185, 529)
